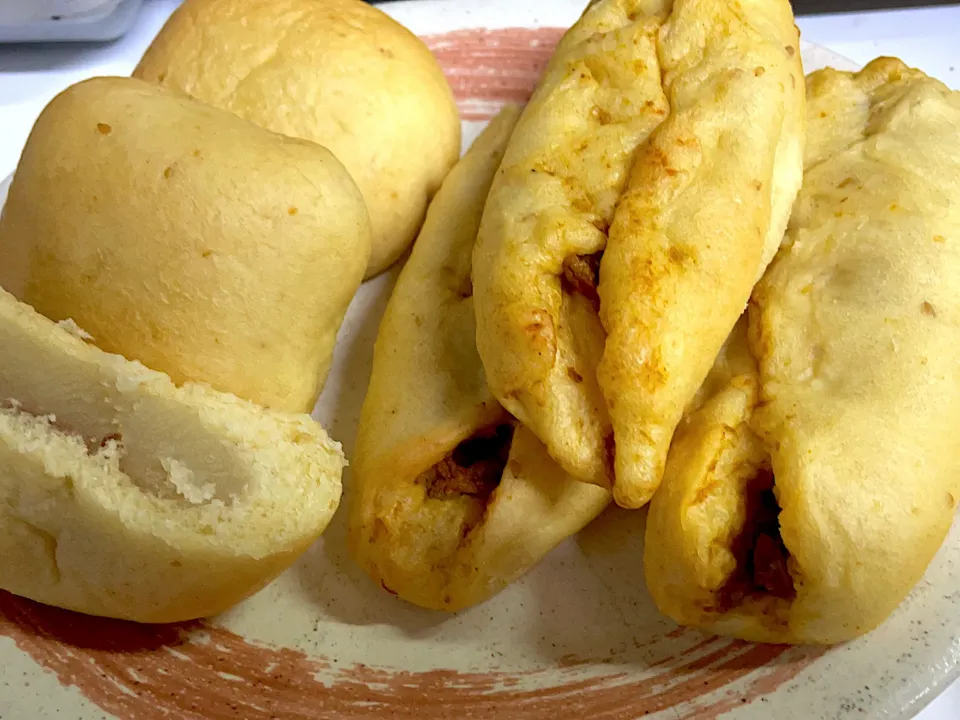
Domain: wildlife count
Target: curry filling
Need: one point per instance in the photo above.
(581, 275)
(762, 569)
(474, 467)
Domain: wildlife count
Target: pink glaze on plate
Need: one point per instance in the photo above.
(197, 671)
(488, 69)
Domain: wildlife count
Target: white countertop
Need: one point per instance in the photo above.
(30, 76)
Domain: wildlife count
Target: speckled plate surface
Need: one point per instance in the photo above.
(578, 637)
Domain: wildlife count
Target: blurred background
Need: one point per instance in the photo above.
(93, 20)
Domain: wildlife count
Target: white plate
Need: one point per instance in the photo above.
(577, 637)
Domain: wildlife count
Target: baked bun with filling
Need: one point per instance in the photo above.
(340, 73)
(819, 472)
(181, 236)
(644, 191)
(453, 499)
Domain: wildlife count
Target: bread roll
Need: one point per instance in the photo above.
(806, 496)
(338, 72)
(186, 238)
(453, 500)
(645, 189)
(124, 496)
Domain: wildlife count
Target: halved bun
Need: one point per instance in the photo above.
(125, 496)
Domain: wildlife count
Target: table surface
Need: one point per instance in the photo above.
(927, 38)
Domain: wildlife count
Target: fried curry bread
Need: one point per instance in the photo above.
(645, 188)
(819, 472)
(453, 499)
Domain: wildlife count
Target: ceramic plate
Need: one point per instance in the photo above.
(578, 637)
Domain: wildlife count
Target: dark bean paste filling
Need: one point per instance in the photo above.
(474, 467)
(581, 275)
(759, 550)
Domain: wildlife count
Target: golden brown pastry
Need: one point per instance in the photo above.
(453, 499)
(806, 495)
(122, 495)
(338, 72)
(186, 238)
(666, 138)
